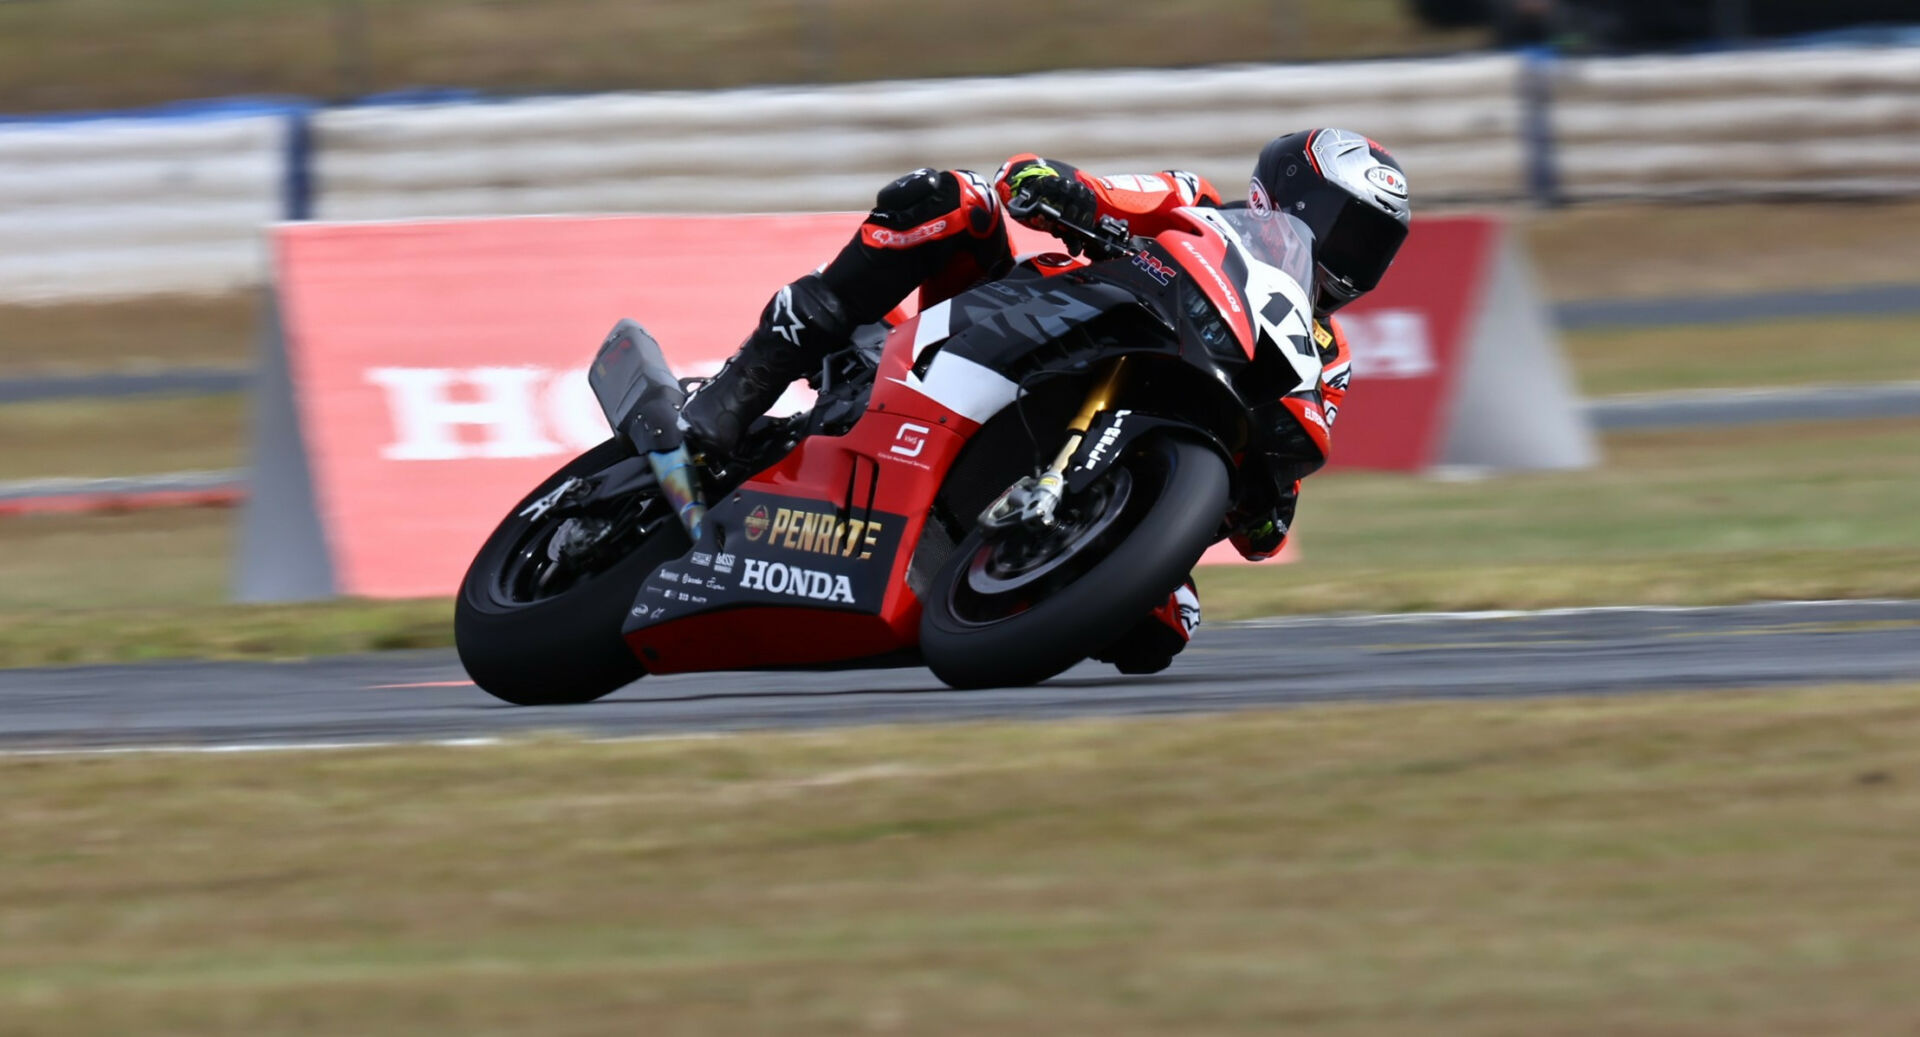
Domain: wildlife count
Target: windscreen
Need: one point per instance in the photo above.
(1275, 239)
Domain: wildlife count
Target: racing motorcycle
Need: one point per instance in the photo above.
(997, 487)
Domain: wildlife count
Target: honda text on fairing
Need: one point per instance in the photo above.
(999, 487)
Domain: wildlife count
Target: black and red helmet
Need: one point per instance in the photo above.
(1350, 192)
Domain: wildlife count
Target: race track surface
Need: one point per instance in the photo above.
(411, 696)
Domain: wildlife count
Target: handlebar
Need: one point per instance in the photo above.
(1109, 240)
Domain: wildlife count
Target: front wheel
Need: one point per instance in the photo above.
(541, 608)
(1017, 607)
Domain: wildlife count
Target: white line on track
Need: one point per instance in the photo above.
(1389, 618)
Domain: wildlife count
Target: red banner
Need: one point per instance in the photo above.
(438, 367)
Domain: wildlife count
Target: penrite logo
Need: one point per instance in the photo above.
(757, 523)
(823, 533)
(791, 580)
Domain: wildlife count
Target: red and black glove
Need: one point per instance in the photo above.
(1258, 534)
(1040, 184)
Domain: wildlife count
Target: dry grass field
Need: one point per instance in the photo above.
(1681, 866)
(71, 54)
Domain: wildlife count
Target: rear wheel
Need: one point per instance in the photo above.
(540, 610)
(1016, 607)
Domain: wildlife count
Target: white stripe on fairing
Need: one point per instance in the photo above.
(1390, 618)
(932, 327)
(973, 391)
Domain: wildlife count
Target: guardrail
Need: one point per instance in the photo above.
(172, 202)
(142, 203)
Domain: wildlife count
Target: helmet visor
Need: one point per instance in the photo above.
(1361, 244)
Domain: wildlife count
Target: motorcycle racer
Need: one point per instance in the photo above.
(943, 232)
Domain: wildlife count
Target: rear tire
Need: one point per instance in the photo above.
(1178, 490)
(564, 649)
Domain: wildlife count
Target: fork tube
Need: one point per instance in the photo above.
(1099, 399)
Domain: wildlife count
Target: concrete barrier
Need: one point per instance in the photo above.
(96, 208)
(174, 202)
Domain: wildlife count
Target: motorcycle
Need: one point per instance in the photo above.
(998, 487)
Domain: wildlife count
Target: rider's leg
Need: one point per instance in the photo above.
(801, 324)
(939, 231)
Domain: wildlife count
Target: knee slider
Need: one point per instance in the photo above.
(916, 198)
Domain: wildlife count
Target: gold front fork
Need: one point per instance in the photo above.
(1104, 390)
(1052, 485)
(1031, 502)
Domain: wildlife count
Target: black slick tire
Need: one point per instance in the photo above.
(566, 649)
(1080, 618)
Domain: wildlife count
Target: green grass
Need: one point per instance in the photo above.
(1684, 517)
(1681, 866)
(1687, 517)
(59, 54)
(1781, 353)
(121, 437)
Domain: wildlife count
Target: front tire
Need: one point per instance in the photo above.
(533, 648)
(990, 622)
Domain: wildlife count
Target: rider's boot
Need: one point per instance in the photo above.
(801, 324)
(1150, 645)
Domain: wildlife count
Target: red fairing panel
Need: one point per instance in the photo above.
(832, 528)
(1203, 253)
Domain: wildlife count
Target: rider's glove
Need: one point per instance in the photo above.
(1259, 534)
(1260, 539)
(1074, 201)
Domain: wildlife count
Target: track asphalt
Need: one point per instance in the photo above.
(423, 696)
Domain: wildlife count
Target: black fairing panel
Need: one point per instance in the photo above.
(997, 324)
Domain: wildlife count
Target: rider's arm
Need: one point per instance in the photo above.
(1146, 201)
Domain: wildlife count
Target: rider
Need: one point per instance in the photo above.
(945, 231)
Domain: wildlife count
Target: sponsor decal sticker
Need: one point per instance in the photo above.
(1161, 273)
(1233, 297)
(1313, 414)
(1131, 182)
(757, 523)
(1389, 180)
(1257, 200)
(794, 581)
(823, 533)
(910, 439)
(886, 238)
(703, 559)
(1106, 440)
(723, 563)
